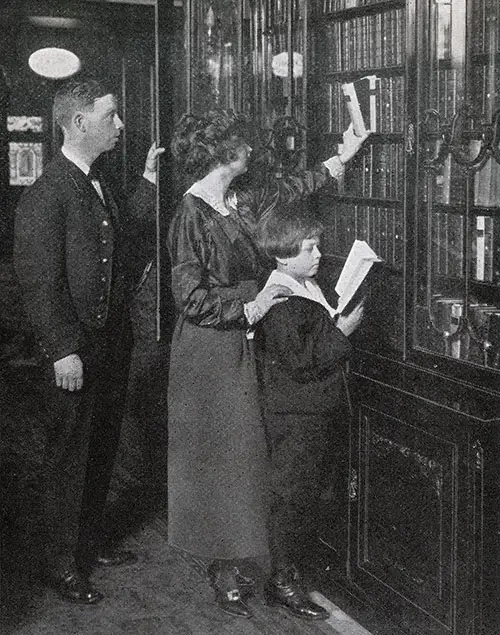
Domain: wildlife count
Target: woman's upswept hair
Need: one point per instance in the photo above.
(281, 231)
(200, 143)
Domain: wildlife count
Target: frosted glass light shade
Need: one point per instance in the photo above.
(55, 63)
(279, 64)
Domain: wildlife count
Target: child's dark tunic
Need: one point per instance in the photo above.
(300, 353)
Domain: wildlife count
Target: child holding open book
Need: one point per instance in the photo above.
(301, 346)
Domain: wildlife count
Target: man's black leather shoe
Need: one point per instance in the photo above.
(72, 586)
(283, 589)
(115, 558)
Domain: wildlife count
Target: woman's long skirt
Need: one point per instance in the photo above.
(217, 457)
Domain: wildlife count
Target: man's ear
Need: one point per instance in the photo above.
(282, 261)
(79, 121)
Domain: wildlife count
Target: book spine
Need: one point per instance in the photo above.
(398, 239)
(384, 234)
(455, 245)
(374, 84)
(489, 249)
(479, 245)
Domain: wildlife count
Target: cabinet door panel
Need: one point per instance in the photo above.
(406, 513)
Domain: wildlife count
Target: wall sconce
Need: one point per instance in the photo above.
(54, 63)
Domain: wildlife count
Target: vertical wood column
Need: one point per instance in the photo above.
(166, 26)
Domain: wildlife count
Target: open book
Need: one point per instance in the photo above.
(356, 268)
(361, 101)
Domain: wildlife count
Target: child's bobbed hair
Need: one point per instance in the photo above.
(281, 231)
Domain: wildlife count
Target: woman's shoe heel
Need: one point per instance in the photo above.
(227, 594)
(269, 598)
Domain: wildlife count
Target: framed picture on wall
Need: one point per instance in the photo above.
(25, 161)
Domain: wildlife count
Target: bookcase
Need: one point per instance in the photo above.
(422, 528)
(418, 532)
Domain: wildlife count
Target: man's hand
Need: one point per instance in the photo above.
(151, 166)
(352, 144)
(69, 372)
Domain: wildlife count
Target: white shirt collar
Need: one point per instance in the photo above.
(311, 289)
(71, 156)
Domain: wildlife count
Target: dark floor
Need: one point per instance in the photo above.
(166, 592)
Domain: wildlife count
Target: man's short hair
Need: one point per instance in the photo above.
(76, 95)
(280, 232)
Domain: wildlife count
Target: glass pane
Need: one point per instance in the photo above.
(277, 71)
(276, 78)
(485, 224)
(25, 161)
(214, 55)
(458, 217)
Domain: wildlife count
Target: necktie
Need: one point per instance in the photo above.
(96, 183)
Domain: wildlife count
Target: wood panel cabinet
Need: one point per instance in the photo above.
(422, 515)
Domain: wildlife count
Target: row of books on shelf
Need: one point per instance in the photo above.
(447, 234)
(486, 20)
(450, 183)
(447, 94)
(486, 88)
(277, 11)
(277, 37)
(486, 27)
(487, 185)
(331, 6)
(377, 172)
(447, 244)
(380, 227)
(382, 100)
(363, 42)
(477, 341)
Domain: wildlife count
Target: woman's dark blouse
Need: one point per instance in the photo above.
(215, 264)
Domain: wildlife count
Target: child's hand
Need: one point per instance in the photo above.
(350, 322)
(351, 145)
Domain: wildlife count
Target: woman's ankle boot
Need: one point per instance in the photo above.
(283, 589)
(224, 579)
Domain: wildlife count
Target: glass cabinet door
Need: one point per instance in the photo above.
(250, 56)
(214, 40)
(277, 33)
(278, 71)
(457, 220)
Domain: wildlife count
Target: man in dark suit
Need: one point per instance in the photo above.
(72, 256)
